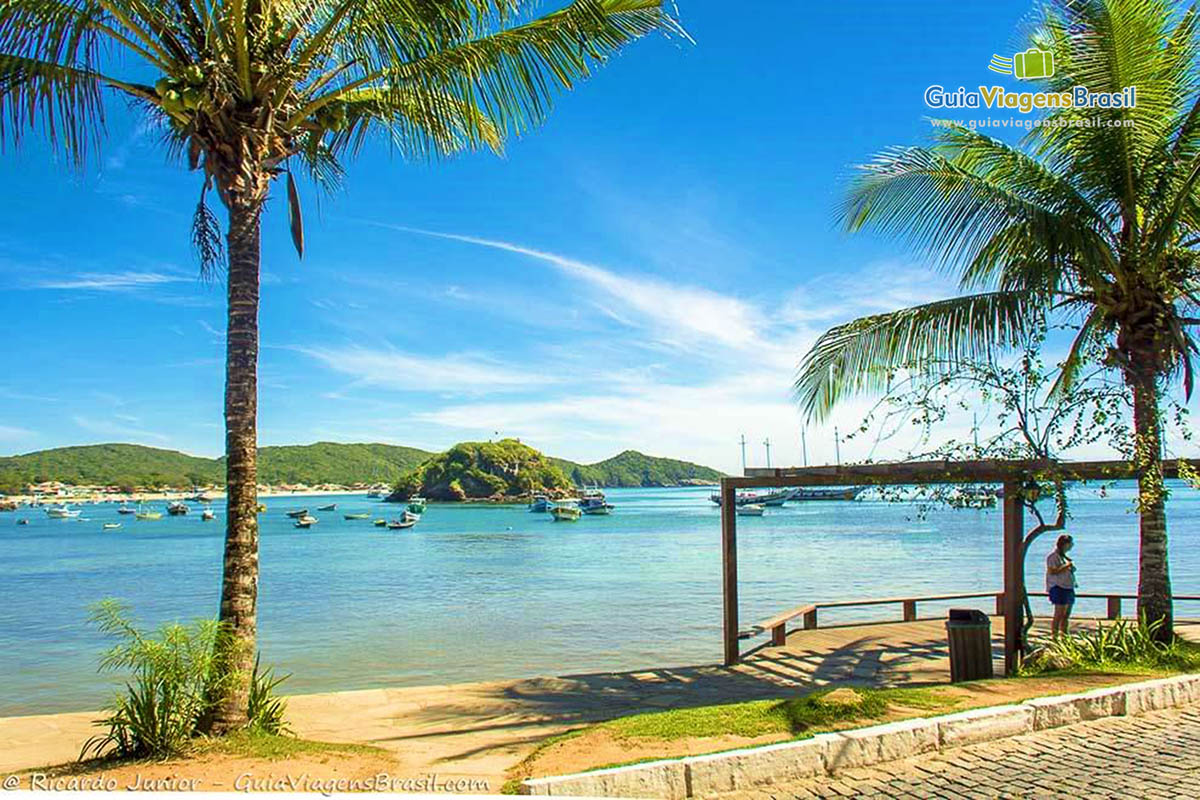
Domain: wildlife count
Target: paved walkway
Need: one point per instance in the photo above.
(1155, 757)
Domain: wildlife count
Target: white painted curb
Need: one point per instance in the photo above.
(827, 753)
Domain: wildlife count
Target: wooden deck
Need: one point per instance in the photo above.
(885, 653)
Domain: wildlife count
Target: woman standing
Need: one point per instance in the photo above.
(1060, 583)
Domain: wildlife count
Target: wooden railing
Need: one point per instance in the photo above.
(777, 624)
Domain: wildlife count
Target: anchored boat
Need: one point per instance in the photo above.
(330, 507)
(306, 521)
(751, 510)
(540, 504)
(594, 502)
(208, 514)
(363, 515)
(298, 514)
(417, 505)
(565, 512)
(177, 508)
(62, 512)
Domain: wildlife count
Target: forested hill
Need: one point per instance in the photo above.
(322, 462)
(136, 465)
(632, 468)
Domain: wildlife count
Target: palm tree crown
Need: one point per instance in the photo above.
(245, 88)
(1092, 219)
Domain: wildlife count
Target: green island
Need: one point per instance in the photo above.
(509, 470)
(328, 463)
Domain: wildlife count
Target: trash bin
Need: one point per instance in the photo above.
(970, 633)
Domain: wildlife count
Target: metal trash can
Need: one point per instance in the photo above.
(970, 633)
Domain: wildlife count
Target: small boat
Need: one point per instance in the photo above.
(201, 497)
(298, 514)
(126, 509)
(22, 521)
(751, 510)
(306, 521)
(145, 516)
(62, 512)
(177, 508)
(850, 493)
(401, 524)
(563, 512)
(776, 498)
(374, 494)
(379, 523)
(417, 505)
(364, 515)
(111, 526)
(409, 516)
(330, 507)
(540, 504)
(208, 514)
(594, 502)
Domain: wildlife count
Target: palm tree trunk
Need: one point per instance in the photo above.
(1154, 579)
(239, 585)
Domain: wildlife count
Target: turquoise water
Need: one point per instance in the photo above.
(487, 592)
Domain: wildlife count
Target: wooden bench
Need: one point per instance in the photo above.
(777, 624)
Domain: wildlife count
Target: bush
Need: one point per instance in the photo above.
(166, 691)
(171, 675)
(1123, 643)
(267, 709)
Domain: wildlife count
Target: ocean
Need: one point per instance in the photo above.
(479, 592)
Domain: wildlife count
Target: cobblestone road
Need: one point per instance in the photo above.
(1155, 756)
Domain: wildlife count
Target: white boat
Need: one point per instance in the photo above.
(776, 498)
(62, 512)
(594, 502)
(208, 514)
(111, 526)
(565, 512)
(306, 521)
(751, 510)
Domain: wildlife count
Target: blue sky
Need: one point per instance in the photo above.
(644, 271)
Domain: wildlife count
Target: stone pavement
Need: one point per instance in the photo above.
(1156, 756)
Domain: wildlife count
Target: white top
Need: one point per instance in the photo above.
(1065, 579)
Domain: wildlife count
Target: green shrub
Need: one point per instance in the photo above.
(166, 691)
(267, 709)
(1122, 643)
(171, 675)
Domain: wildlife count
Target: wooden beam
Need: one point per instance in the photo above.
(925, 472)
(729, 570)
(1014, 572)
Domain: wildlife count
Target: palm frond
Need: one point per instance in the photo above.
(860, 356)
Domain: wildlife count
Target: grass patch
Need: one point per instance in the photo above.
(799, 716)
(1121, 647)
(253, 743)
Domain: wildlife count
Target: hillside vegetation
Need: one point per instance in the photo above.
(477, 470)
(632, 468)
(136, 465)
(133, 465)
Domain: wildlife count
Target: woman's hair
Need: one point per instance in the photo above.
(1063, 541)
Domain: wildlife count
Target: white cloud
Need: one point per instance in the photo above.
(393, 369)
(681, 314)
(111, 428)
(111, 281)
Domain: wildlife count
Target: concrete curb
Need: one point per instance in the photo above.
(827, 753)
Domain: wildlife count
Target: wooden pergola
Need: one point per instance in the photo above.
(1012, 475)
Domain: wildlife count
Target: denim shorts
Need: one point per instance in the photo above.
(1061, 596)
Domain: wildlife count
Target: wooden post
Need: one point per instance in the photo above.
(1000, 604)
(730, 571)
(1014, 574)
(910, 610)
(1114, 607)
(779, 635)
(810, 620)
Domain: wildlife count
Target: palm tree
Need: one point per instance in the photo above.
(1095, 224)
(247, 91)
